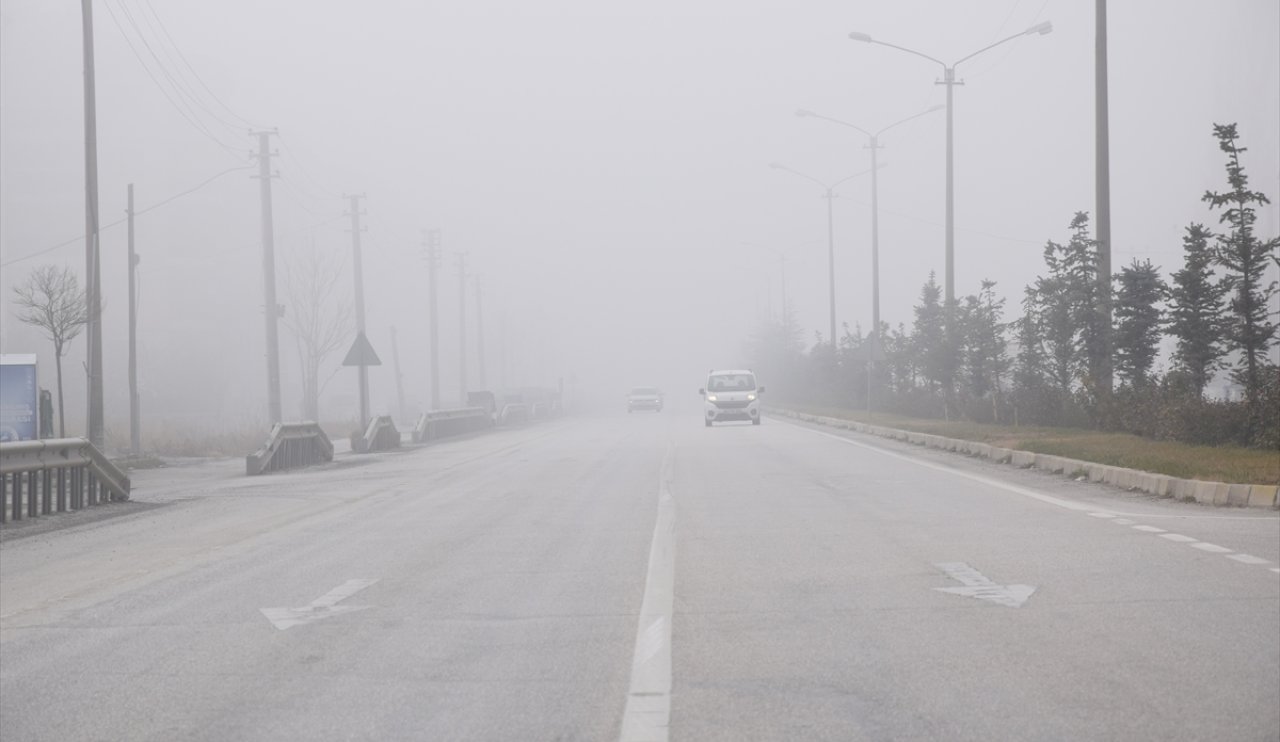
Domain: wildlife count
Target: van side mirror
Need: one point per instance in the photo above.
(702, 392)
(760, 390)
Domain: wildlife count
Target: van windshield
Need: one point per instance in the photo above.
(731, 382)
(645, 390)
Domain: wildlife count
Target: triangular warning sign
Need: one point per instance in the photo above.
(361, 353)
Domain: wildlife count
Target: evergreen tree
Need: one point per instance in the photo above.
(1196, 311)
(984, 352)
(1138, 316)
(928, 334)
(1249, 326)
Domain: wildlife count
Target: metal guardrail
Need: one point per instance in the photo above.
(381, 435)
(290, 446)
(515, 412)
(443, 423)
(56, 475)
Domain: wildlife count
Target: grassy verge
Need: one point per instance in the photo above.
(1211, 463)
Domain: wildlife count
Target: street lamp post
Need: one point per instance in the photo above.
(949, 79)
(873, 144)
(831, 239)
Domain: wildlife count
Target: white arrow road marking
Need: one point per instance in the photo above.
(325, 606)
(647, 717)
(977, 585)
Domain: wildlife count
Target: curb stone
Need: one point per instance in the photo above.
(1161, 485)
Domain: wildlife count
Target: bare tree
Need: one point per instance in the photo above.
(51, 299)
(318, 319)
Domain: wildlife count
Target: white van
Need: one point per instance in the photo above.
(731, 395)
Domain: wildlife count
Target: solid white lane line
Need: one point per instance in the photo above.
(1148, 529)
(1211, 548)
(1276, 570)
(647, 717)
(1248, 559)
(1122, 522)
(1178, 537)
(988, 481)
(1103, 515)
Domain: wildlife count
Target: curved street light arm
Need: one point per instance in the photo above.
(910, 51)
(776, 166)
(1042, 28)
(856, 175)
(838, 121)
(931, 109)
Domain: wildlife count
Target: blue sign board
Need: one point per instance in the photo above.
(19, 399)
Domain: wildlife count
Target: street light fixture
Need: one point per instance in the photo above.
(949, 79)
(873, 143)
(831, 240)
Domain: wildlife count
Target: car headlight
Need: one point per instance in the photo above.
(711, 397)
(751, 397)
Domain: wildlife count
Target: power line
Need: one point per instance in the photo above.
(191, 118)
(118, 222)
(165, 30)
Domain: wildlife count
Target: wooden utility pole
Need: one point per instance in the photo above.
(270, 307)
(135, 417)
(93, 273)
(432, 245)
(462, 327)
(358, 273)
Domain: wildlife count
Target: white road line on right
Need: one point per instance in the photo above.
(1276, 570)
(1247, 559)
(1025, 492)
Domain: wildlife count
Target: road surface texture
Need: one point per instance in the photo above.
(640, 577)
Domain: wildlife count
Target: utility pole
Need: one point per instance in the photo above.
(502, 349)
(1102, 192)
(462, 326)
(483, 382)
(831, 267)
(432, 244)
(270, 308)
(358, 272)
(93, 273)
(135, 417)
(395, 357)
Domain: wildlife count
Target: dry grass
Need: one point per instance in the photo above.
(1210, 463)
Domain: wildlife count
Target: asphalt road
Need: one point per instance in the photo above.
(639, 576)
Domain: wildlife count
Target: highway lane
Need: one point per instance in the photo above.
(506, 575)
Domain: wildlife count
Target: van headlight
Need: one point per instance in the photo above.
(711, 397)
(751, 397)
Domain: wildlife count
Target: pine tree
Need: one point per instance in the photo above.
(1195, 316)
(1138, 317)
(1249, 326)
(928, 334)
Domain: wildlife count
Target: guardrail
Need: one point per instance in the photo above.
(381, 435)
(442, 423)
(290, 446)
(516, 412)
(56, 475)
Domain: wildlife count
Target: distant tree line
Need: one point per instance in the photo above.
(1046, 364)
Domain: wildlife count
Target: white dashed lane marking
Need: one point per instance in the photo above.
(1211, 548)
(1115, 517)
(1248, 559)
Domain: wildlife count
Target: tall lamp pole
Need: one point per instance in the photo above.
(949, 79)
(873, 144)
(831, 240)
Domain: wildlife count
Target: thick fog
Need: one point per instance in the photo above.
(604, 166)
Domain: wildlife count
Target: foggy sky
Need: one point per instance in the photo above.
(603, 164)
